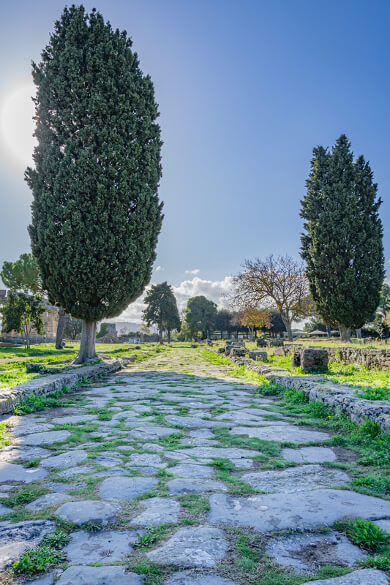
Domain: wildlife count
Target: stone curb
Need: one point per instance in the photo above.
(337, 396)
(9, 397)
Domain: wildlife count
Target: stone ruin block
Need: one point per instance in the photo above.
(258, 355)
(237, 351)
(274, 342)
(314, 359)
(260, 342)
(296, 359)
(221, 350)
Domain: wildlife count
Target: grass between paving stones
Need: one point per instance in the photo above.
(4, 434)
(247, 563)
(370, 538)
(45, 556)
(154, 574)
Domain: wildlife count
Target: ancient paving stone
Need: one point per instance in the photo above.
(65, 420)
(68, 459)
(111, 472)
(150, 447)
(218, 452)
(82, 575)
(14, 472)
(16, 538)
(306, 553)
(47, 500)
(75, 471)
(309, 454)
(4, 510)
(158, 511)
(27, 428)
(45, 580)
(190, 470)
(301, 510)
(47, 438)
(198, 546)
(194, 486)
(124, 489)
(362, 577)
(192, 422)
(64, 487)
(107, 461)
(107, 546)
(281, 433)
(140, 459)
(190, 578)
(150, 433)
(296, 479)
(22, 454)
(84, 511)
(383, 525)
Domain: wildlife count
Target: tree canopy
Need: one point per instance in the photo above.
(200, 316)
(96, 215)
(23, 313)
(342, 239)
(275, 283)
(161, 309)
(22, 275)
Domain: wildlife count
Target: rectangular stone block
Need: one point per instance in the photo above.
(314, 359)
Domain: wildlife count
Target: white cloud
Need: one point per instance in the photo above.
(159, 268)
(194, 271)
(211, 289)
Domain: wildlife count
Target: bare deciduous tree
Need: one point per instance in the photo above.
(275, 283)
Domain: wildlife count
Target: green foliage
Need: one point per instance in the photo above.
(342, 241)
(161, 308)
(151, 535)
(104, 328)
(4, 436)
(364, 533)
(37, 560)
(200, 315)
(35, 402)
(23, 313)
(72, 327)
(22, 275)
(95, 213)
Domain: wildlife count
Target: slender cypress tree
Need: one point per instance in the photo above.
(96, 215)
(342, 239)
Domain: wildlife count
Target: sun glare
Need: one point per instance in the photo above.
(16, 125)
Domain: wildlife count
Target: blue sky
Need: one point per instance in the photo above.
(246, 88)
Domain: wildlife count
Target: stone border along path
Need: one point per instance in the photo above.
(317, 388)
(152, 480)
(9, 397)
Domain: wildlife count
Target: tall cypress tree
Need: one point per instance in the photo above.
(96, 215)
(342, 239)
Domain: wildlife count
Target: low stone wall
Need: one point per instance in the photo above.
(371, 358)
(340, 398)
(337, 396)
(9, 397)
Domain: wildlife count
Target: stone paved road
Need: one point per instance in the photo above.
(172, 464)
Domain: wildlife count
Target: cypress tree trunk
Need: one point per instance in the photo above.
(359, 333)
(160, 339)
(87, 343)
(169, 336)
(60, 328)
(345, 334)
